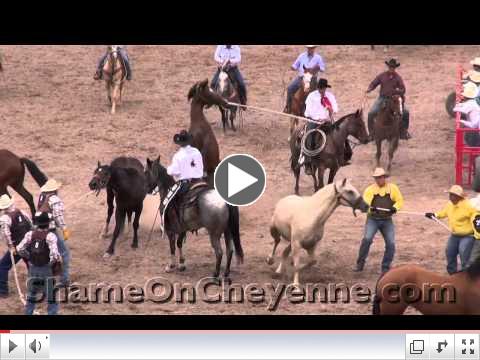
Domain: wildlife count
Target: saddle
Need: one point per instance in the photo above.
(176, 204)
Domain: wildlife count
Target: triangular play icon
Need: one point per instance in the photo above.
(238, 180)
(11, 346)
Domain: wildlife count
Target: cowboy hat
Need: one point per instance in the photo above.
(50, 185)
(42, 219)
(392, 63)
(474, 76)
(5, 202)
(323, 83)
(183, 138)
(457, 190)
(475, 61)
(310, 46)
(379, 172)
(470, 90)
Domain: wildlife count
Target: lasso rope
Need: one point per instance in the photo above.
(15, 274)
(419, 214)
(314, 152)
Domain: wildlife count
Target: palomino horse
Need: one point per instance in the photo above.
(334, 151)
(12, 173)
(227, 90)
(387, 127)
(125, 182)
(298, 101)
(209, 211)
(114, 74)
(428, 292)
(201, 96)
(301, 220)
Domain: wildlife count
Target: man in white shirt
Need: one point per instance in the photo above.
(471, 109)
(307, 60)
(228, 58)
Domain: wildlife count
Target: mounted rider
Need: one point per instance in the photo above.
(122, 51)
(228, 58)
(308, 60)
(187, 170)
(14, 224)
(391, 83)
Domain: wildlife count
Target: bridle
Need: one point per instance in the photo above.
(354, 205)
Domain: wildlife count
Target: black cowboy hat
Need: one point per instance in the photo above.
(392, 63)
(323, 83)
(183, 138)
(42, 219)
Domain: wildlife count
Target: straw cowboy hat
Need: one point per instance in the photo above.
(379, 172)
(50, 185)
(475, 61)
(457, 190)
(5, 202)
(310, 46)
(470, 90)
(474, 76)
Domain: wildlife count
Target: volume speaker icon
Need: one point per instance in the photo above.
(35, 346)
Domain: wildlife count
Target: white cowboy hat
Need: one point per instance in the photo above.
(470, 90)
(475, 61)
(5, 202)
(310, 46)
(50, 185)
(474, 76)
(456, 190)
(379, 172)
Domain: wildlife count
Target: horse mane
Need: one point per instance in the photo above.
(342, 119)
(192, 92)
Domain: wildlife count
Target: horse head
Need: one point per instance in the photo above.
(395, 105)
(204, 94)
(101, 177)
(356, 127)
(113, 50)
(224, 84)
(348, 195)
(307, 79)
(156, 175)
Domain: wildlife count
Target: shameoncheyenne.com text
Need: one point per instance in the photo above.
(212, 291)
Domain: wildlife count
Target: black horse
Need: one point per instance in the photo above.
(208, 211)
(125, 183)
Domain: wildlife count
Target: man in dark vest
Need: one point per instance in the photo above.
(384, 199)
(50, 202)
(14, 224)
(39, 247)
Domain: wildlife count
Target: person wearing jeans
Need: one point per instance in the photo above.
(384, 199)
(460, 213)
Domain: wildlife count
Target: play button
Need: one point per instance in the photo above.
(240, 179)
(11, 346)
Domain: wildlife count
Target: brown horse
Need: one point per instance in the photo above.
(114, 74)
(201, 96)
(387, 127)
(428, 292)
(298, 101)
(334, 151)
(12, 173)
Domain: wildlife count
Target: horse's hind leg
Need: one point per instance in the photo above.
(171, 266)
(393, 145)
(229, 249)
(136, 222)
(296, 173)
(20, 189)
(215, 241)
(181, 258)
(276, 238)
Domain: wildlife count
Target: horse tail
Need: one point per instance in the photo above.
(377, 299)
(39, 177)
(234, 228)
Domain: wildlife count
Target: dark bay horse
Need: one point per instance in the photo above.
(125, 183)
(209, 212)
(12, 173)
(334, 151)
(226, 89)
(428, 292)
(201, 96)
(298, 101)
(387, 127)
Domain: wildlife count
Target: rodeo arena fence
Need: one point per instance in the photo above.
(467, 161)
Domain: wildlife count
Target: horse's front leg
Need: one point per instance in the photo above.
(332, 173)
(136, 224)
(321, 175)
(181, 258)
(379, 152)
(120, 215)
(110, 208)
(281, 266)
(233, 114)
(171, 266)
(114, 99)
(393, 145)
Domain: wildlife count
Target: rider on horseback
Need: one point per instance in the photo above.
(186, 168)
(308, 60)
(125, 60)
(391, 84)
(228, 57)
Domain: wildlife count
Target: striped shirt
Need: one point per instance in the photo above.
(51, 242)
(57, 208)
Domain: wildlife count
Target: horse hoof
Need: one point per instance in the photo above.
(107, 256)
(270, 260)
(182, 267)
(169, 268)
(134, 246)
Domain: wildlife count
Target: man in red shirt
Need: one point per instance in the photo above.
(391, 83)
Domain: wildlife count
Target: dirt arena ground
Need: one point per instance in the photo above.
(53, 112)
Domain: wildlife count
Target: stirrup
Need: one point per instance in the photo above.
(301, 160)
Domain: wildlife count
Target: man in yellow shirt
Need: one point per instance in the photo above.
(460, 213)
(384, 199)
